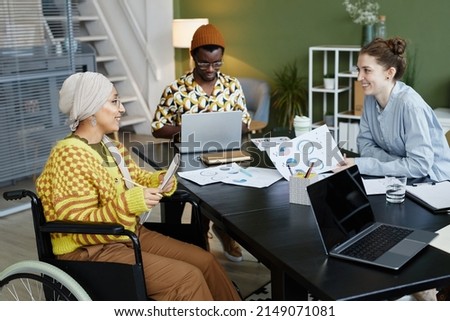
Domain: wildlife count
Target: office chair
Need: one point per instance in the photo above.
(257, 96)
(106, 280)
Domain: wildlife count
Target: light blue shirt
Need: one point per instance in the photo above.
(404, 138)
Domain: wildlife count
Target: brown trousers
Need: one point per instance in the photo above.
(173, 270)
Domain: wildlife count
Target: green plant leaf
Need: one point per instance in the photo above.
(289, 96)
(409, 77)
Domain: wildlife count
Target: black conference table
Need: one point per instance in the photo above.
(284, 237)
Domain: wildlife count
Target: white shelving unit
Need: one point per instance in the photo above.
(443, 116)
(336, 60)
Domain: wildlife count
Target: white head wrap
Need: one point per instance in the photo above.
(82, 95)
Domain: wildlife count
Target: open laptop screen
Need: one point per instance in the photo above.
(211, 132)
(341, 207)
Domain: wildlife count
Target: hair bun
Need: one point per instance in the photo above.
(397, 45)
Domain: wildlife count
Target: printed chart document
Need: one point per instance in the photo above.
(233, 174)
(295, 156)
(432, 196)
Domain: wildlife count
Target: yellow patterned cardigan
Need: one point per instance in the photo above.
(77, 185)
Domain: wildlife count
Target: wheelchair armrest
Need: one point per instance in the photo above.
(82, 228)
(93, 228)
(179, 196)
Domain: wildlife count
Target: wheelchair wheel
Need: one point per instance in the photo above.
(39, 281)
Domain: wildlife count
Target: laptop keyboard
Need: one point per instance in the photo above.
(377, 242)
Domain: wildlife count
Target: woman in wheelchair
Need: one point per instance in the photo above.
(86, 179)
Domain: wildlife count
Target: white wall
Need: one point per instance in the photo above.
(154, 20)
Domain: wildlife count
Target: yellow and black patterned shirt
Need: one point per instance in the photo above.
(184, 95)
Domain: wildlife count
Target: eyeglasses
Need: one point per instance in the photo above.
(117, 102)
(206, 65)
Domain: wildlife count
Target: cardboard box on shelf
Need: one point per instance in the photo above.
(358, 98)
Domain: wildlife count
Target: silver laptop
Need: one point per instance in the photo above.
(210, 132)
(348, 228)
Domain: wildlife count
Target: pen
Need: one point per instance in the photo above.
(132, 182)
(425, 183)
(343, 162)
(290, 169)
(246, 172)
(309, 170)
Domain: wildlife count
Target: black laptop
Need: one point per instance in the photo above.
(348, 228)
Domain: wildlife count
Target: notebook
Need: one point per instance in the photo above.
(345, 219)
(210, 132)
(431, 196)
(225, 157)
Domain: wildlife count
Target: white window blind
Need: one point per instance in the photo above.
(37, 52)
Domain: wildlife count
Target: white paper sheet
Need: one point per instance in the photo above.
(316, 146)
(170, 171)
(233, 174)
(432, 194)
(442, 241)
(375, 186)
(267, 143)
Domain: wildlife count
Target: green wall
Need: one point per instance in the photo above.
(262, 35)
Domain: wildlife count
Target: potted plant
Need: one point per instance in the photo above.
(409, 77)
(289, 95)
(328, 81)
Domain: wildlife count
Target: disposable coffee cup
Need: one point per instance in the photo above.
(302, 125)
(395, 188)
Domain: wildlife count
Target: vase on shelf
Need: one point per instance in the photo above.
(329, 120)
(328, 82)
(368, 32)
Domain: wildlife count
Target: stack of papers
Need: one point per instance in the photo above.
(233, 174)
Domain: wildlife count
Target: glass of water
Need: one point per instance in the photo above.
(395, 188)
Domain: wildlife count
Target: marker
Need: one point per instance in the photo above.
(309, 170)
(246, 172)
(290, 169)
(343, 162)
